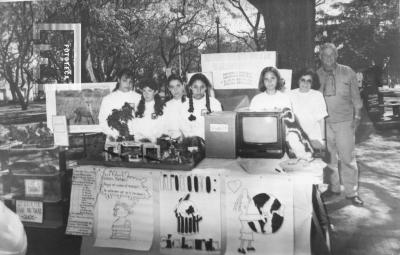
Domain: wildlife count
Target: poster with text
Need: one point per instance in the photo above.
(237, 70)
(190, 214)
(125, 210)
(259, 215)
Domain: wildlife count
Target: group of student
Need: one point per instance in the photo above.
(182, 114)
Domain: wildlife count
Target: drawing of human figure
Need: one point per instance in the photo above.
(246, 233)
(122, 226)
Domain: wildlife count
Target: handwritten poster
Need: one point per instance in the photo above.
(259, 215)
(237, 70)
(125, 209)
(84, 191)
(190, 214)
(30, 211)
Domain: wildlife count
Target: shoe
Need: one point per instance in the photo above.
(329, 194)
(356, 201)
(251, 249)
(241, 250)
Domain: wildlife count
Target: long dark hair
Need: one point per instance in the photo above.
(127, 72)
(169, 96)
(158, 103)
(203, 78)
(261, 84)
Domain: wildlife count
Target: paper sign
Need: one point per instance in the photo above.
(239, 70)
(30, 211)
(190, 214)
(125, 210)
(219, 128)
(259, 215)
(83, 199)
(60, 131)
(34, 187)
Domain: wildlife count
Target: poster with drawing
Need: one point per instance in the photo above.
(190, 214)
(79, 103)
(125, 207)
(259, 215)
(240, 70)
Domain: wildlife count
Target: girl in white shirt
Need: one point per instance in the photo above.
(198, 104)
(123, 93)
(271, 98)
(148, 124)
(309, 105)
(173, 106)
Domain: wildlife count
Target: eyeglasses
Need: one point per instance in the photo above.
(307, 81)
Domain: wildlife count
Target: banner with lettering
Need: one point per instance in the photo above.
(190, 213)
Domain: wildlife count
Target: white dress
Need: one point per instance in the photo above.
(309, 108)
(115, 100)
(147, 127)
(172, 117)
(267, 102)
(196, 127)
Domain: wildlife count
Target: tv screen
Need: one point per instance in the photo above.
(260, 129)
(260, 134)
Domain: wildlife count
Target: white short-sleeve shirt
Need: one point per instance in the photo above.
(309, 108)
(196, 127)
(264, 101)
(172, 118)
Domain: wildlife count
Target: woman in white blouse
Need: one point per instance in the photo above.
(309, 105)
(147, 126)
(199, 103)
(123, 93)
(174, 106)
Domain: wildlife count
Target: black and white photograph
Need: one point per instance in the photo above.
(255, 126)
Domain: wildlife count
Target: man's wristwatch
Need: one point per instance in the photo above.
(357, 117)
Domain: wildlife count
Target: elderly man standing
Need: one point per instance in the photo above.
(340, 89)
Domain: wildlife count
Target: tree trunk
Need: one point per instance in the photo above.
(290, 30)
(84, 11)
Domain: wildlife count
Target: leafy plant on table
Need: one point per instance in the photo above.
(118, 120)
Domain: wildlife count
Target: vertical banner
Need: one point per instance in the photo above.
(125, 210)
(190, 214)
(259, 215)
(58, 48)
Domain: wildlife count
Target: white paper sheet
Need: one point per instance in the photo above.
(237, 70)
(84, 192)
(125, 210)
(259, 215)
(190, 213)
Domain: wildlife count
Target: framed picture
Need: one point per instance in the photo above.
(79, 103)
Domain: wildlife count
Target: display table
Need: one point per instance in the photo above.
(302, 177)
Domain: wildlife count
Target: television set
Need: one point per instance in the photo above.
(260, 134)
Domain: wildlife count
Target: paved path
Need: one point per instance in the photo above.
(375, 228)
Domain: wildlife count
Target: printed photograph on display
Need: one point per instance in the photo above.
(259, 215)
(79, 103)
(125, 207)
(190, 214)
